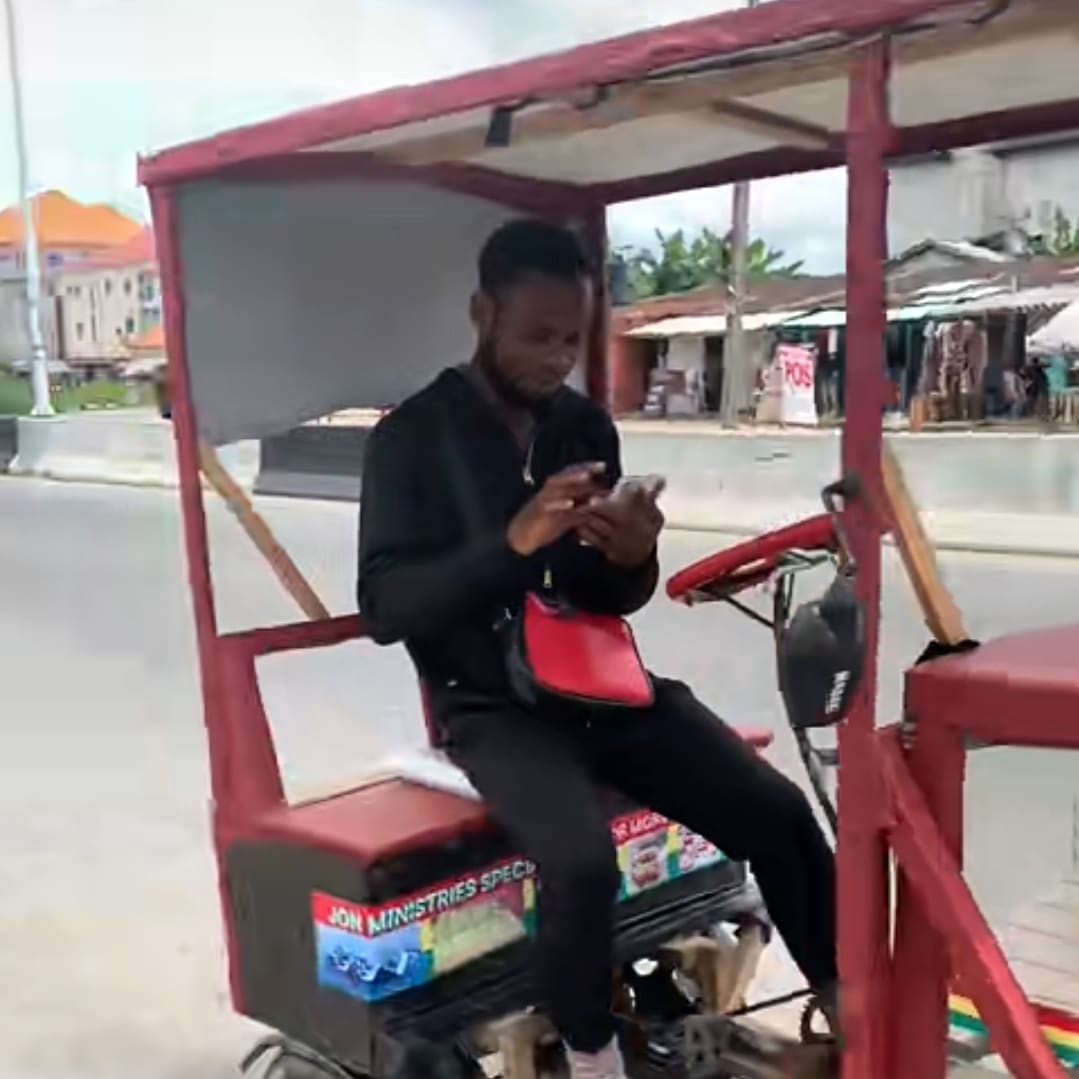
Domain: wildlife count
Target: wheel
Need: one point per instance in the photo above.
(291, 1068)
(425, 1060)
(287, 1059)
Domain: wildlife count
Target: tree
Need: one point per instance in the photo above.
(678, 264)
(1064, 239)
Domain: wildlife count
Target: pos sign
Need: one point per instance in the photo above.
(797, 366)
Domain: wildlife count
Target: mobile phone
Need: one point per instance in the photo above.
(652, 485)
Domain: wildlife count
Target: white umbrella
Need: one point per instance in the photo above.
(1059, 334)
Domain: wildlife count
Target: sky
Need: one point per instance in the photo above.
(106, 80)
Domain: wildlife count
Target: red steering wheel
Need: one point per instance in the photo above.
(728, 572)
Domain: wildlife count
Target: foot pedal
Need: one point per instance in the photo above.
(717, 1047)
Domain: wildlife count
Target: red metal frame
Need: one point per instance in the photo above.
(864, 953)
(889, 796)
(632, 56)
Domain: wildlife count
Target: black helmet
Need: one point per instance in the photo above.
(821, 656)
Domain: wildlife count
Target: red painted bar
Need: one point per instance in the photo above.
(296, 636)
(597, 373)
(196, 541)
(186, 435)
(979, 959)
(862, 855)
(922, 972)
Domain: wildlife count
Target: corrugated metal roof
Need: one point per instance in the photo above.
(710, 325)
(962, 302)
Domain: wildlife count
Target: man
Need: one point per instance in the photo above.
(430, 580)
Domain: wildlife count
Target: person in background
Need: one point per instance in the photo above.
(828, 381)
(1056, 377)
(1012, 393)
(162, 397)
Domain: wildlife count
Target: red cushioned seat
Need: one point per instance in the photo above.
(1022, 689)
(371, 823)
(387, 818)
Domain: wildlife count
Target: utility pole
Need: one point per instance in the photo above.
(39, 366)
(736, 376)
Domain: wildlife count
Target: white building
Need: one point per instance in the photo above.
(984, 191)
(105, 302)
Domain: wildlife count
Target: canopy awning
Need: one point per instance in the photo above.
(741, 94)
(974, 300)
(709, 325)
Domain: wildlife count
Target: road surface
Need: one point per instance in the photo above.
(110, 952)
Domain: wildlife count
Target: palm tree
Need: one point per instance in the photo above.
(679, 265)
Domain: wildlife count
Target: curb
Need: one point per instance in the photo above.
(674, 523)
(142, 483)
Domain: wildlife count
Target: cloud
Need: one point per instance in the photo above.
(106, 80)
(802, 215)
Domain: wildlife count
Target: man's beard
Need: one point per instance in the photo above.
(503, 387)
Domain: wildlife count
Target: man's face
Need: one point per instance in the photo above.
(532, 335)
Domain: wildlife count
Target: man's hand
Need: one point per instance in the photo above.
(624, 527)
(554, 511)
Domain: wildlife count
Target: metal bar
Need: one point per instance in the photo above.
(748, 611)
(196, 540)
(200, 578)
(864, 958)
(922, 970)
(945, 896)
(597, 375)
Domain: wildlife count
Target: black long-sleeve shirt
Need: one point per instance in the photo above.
(433, 579)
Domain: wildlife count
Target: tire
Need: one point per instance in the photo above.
(286, 1059)
(424, 1060)
(290, 1068)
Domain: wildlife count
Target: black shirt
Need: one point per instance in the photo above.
(433, 580)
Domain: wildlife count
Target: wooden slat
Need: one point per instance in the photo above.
(286, 571)
(783, 129)
(939, 609)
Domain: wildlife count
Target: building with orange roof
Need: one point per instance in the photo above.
(101, 284)
(65, 228)
(107, 301)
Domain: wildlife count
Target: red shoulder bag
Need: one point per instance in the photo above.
(552, 650)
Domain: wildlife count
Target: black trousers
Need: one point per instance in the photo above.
(541, 775)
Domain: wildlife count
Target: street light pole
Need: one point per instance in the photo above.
(39, 370)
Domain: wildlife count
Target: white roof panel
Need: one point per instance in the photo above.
(740, 93)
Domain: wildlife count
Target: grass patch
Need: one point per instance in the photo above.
(16, 397)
